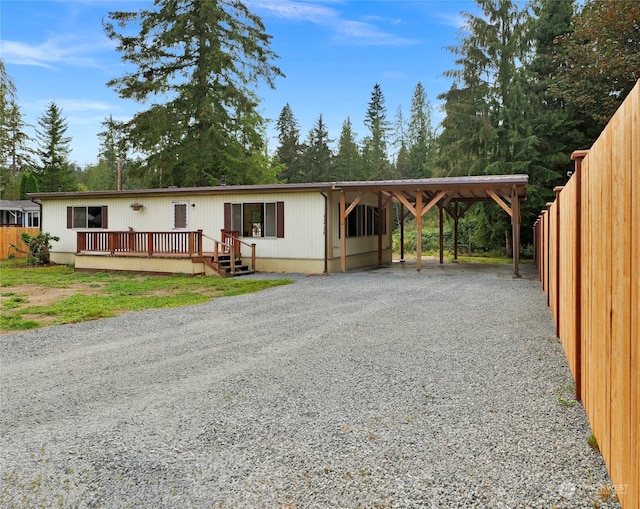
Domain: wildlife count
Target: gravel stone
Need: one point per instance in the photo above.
(383, 388)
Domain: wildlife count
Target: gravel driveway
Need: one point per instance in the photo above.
(382, 388)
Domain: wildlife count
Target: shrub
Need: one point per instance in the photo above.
(38, 247)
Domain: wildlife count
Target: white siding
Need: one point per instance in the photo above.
(303, 219)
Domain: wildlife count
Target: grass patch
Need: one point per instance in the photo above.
(64, 296)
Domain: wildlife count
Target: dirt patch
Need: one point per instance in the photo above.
(39, 296)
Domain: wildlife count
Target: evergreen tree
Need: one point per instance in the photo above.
(401, 166)
(204, 58)
(15, 153)
(317, 154)
(376, 162)
(288, 153)
(347, 163)
(54, 172)
(555, 123)
(599, 61)
(420, 135)
(489, 131)
(113, 154)
(28, 184)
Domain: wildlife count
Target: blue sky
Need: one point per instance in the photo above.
(332, 52)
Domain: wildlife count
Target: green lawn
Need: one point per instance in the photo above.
(40, 296)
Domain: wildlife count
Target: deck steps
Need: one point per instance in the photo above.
(223, 265)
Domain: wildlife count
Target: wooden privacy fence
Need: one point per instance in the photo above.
(12, 235)
(587, 247)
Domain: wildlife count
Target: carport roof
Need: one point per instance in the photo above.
(469, 188)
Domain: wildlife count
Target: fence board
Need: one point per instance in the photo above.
(632, 496)
(12, 235)
(620, 314)
(568, 256)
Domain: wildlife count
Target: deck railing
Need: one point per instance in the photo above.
(150, 243)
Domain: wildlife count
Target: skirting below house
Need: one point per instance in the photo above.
(184, 265)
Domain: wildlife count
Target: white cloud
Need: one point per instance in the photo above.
(54, 52)
(345, 30)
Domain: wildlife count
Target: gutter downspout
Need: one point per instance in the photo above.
(326, 252)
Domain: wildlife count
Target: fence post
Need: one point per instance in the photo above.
(578, 157)
(557, 190)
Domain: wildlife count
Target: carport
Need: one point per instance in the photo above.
(453, 195)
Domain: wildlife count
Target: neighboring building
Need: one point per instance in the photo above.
(290, 227)
(23, 213)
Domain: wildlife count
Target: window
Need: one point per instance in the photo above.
(255, 219)
(365, 220)
(32, 219)
(87, 217)
(180, 215)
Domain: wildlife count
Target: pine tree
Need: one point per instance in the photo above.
(375, 145)
(54, 172)
(347, 163)
(204, 58)
(317, 154)
(288, 152)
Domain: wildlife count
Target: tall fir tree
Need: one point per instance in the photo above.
(112, 157)
(400, 165)
(317, 154)
(347, 163)
(420, 133)
(556, 124)
(288, 152)
(489, 130)
(54, 172)
(205, 58)
(374, 152)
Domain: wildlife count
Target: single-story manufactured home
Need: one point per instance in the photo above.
(308, 228)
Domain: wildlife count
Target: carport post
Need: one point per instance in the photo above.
(419, 230)
(441, 232)
(343, 232)
(515, 226)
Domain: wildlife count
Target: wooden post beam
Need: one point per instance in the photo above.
(418, 212)
(343, 231)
